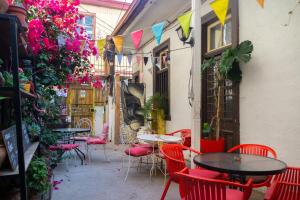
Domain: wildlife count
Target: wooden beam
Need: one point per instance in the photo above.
(117, 109)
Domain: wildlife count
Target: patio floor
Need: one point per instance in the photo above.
(102, 180)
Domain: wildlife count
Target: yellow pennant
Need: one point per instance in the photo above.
(100, 45)
(261, 3)
(185, 22)
(220, 8)
(118, 40)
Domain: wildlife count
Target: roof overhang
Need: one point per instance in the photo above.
(107, 3)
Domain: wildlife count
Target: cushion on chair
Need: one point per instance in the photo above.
(54, 148)
(98, 140)
(138, 151)
(68, 147)
(234, 194)
(204, 173)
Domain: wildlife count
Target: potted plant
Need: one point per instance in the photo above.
(34, 131)
(228, 67)
(38, 178)
(154, 111)
(17, 8)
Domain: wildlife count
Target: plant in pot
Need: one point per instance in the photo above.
(38, 178)
(16, 8)
(154, 111)
(34, 131)
(227, 67)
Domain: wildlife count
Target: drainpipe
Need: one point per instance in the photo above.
(196, 76)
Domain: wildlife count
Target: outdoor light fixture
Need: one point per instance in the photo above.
(184, 39)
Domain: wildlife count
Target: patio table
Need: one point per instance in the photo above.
(73, 132)
(155, 139)
(240, 165)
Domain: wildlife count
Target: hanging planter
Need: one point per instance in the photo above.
(17, 9)
(211, 146)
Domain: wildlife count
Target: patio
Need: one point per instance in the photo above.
(104, 180)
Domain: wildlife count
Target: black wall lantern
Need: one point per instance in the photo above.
(184, 39)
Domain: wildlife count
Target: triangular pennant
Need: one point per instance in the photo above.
(261, 3)
(100, 45)
(118, 40)
(136, 37)
(157, 30)
(146, 60)
(185, 22)
(138, 60)
(220, 8)
(129, 58)
(119, 57)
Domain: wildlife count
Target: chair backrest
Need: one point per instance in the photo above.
(199, 188)
(287, 185)
(254, 149)
(185, 134)
(174, 158)
(84, 123)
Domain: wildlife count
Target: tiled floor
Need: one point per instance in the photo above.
(102, 180)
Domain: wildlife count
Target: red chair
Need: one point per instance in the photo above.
(175, 162)
(285, 186)
(199, 188)
(99, 140)
(185, 134)
(259, 150)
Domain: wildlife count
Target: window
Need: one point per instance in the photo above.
(88, 21)
(218, 36)
(215, 39)
(161, 73)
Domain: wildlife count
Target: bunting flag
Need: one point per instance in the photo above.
(119, 57)
(136, 37)
(261, 3)
(100, 46)
(220, 8)
(146, 60)
(185, 22)
(157, 30)
(118, 40)
(138, 60)
(129, 58)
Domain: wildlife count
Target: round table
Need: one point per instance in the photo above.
(71, 130)
(240, 164)
(159, 138)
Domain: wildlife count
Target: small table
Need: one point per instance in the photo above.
(155, 138)
(240, 164)
(74, 131)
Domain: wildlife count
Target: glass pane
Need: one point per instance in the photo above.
(215, 37)
(227, 33)
(88, 20)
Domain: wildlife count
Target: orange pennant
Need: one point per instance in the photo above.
(261, 3)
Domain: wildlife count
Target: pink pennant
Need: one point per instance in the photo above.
(136, 37)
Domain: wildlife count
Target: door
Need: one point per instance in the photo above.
(80, 103)
(99, 119)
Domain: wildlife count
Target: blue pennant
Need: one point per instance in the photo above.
(129, 58)
(119, 57)
(157, 30)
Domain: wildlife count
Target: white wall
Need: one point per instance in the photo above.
(180, 65)
(270, 89)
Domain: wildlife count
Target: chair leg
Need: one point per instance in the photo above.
(166, 189)
(129, 163)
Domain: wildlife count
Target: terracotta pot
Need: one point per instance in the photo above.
(210, 146)
(3, 6)
(20, 12)
(3, 154)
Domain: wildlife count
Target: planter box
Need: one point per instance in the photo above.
(211, 146)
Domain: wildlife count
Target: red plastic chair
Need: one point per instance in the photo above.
(199, 188)
(175, 162)
(285, 186)
(260, 150)
(185, 134)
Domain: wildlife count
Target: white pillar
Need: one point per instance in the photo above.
(196, 69)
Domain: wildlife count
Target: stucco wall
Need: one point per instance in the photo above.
(180, 64)
(270, 89)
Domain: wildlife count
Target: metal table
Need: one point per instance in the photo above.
(73, 132)
(241, 165)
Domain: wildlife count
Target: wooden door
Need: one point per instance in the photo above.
(80, 102)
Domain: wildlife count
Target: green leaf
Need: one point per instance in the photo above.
(226, 62)
(208, 63)
(243, 51)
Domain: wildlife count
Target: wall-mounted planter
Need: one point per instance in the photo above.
(211, 146)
